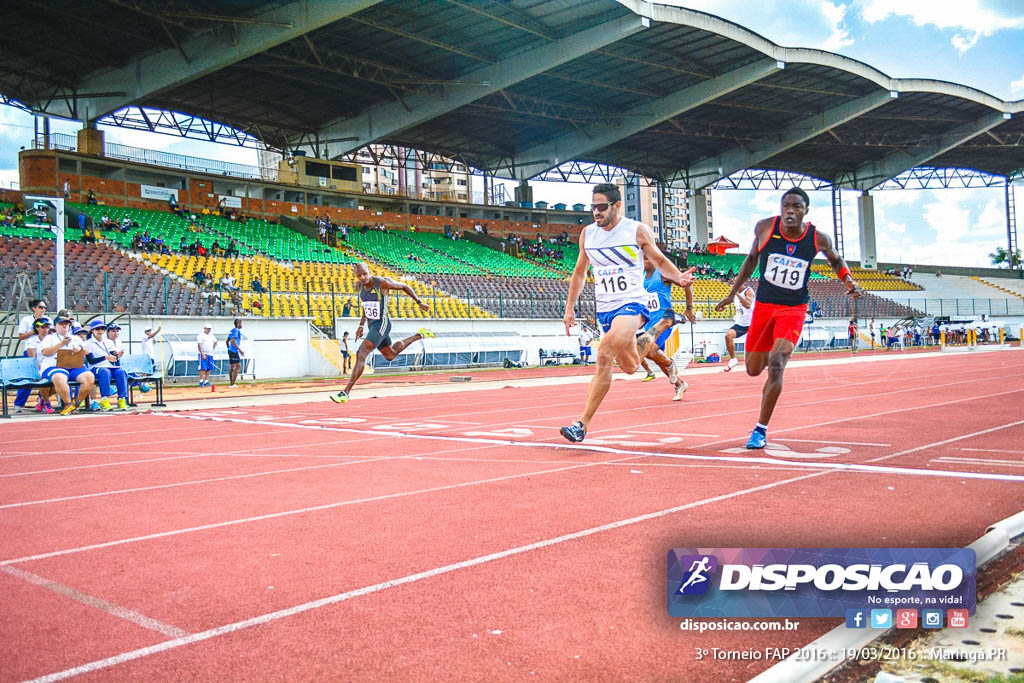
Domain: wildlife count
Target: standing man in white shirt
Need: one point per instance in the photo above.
(26, 330)
(744, 314)
(206, 343)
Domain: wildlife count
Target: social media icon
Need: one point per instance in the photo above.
(856, 618)
(957, 618)
(931, 618)
(881, 618)
(906, 618)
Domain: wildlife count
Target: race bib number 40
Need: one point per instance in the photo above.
(653, 303)
(371, 309)
(785, 271)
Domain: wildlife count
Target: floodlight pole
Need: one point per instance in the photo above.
(58, 231)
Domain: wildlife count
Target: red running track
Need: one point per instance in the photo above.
(458, 536)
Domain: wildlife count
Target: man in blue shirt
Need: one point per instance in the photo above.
(235, 351)
(651, 343)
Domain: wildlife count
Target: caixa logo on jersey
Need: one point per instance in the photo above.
(816, 582)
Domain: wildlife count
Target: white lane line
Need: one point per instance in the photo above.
(637, 431)
(946, 441)
(928, 406)
(984, 463)
(993, 450)
(191, 482)
(98, 603)
(288, 513)
(837, 443)
(106, 464)
(410, 578)
(980, 461)
(657, 454)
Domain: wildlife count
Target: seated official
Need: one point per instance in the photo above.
(105, 364)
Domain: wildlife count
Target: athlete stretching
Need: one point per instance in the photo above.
(373, 298)
(784, 247)
(615, 246)
(651, 344)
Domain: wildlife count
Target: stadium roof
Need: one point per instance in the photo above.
(514, 87)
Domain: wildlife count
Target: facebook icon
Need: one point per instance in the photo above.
(856, 618)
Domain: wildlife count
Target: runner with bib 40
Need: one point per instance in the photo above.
(784, 247)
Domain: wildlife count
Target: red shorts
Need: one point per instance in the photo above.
(773, 321)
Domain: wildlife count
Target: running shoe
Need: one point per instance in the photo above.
(68, 409)
(426, 333)
(648, 378)
(574, 432)
(340, 397)
(758, 439)
(673, 375)
(730, 365)
(39, 407)
(105, 404)
(48, 409)
(122, 404)
(680, 390)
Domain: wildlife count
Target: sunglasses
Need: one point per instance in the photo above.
(601, 208)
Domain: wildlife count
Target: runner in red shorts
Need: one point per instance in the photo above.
(784, 248)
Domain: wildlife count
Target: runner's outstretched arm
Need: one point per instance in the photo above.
(749, 264)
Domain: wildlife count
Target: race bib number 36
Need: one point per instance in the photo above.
(785, 271)
(372, 310)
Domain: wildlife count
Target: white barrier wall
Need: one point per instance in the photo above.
(280, 346)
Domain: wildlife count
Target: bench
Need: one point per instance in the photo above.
(140, 369)
(20, 373)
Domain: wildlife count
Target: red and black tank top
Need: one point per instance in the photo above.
(785, 266)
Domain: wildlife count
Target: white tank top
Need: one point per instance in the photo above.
(743, 314)
(618, 264)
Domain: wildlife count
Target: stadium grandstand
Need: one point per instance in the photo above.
(381, 130)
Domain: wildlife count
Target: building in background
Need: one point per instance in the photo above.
(675, 227)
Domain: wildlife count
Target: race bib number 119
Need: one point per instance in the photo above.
(785, 271)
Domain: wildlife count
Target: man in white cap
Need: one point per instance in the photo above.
(207, 343)
(148, 345)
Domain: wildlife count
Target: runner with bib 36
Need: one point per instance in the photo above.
(784, 247)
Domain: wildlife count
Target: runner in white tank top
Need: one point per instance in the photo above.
(744, 314)
(615, 246)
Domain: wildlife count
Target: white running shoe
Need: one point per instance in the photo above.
(730, 365)
(673, 377)
(680, 390)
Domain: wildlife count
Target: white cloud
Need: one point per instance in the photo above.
(820, 25)
(968, 18)
(1017, 86)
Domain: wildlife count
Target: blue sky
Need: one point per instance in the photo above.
(975, 42)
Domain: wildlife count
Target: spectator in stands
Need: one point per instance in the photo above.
(105, 222)
(172, 203)
(104, 362)
(207, 343)
(227, 283)
(345, 310)
(200, 249)
(148, 343)
(199, 277)
(137, 241)
(91, 199)
(126, 224)
(257, 286)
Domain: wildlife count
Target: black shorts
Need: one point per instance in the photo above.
(233, 358)
(379, 333)
(740, 329)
